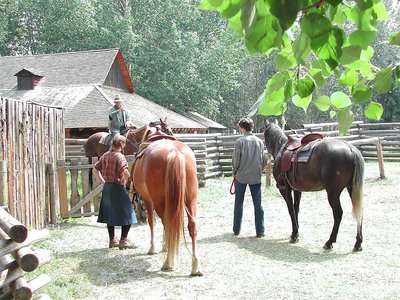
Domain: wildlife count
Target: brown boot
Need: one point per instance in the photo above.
(113, 243)
(126, 244)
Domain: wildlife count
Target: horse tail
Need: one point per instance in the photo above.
(175, 194)
(358, 183)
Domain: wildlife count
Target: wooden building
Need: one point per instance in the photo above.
(84, 83)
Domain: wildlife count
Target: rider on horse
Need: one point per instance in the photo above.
(118, 118)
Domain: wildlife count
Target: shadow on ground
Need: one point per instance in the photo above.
(275, 249)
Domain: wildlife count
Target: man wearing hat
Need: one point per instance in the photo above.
(118, 117)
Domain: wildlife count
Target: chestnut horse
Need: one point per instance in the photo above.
(333, 165)
(165, 176)
(93, 147)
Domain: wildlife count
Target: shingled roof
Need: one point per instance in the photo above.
(84, 83)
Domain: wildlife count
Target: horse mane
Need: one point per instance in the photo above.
(148, 131)
(274, 138)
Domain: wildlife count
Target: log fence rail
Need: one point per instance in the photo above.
(214, 158)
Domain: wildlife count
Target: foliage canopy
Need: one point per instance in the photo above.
(315, 42)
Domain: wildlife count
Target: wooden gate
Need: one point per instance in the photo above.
(77, 197)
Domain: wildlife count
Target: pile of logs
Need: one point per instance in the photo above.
(17, 258)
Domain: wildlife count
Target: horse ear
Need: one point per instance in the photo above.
(266, 122)
(276, 122)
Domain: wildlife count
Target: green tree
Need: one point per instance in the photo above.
(185, 59)
(317, 41)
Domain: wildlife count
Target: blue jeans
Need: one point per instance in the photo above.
(255, 190)
(114, 133)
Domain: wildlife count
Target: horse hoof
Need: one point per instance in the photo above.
(293, 240)
(198, 273)
(328, 247)
(357, 249)
(166, 269)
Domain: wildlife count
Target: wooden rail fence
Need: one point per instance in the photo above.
(17, 258)
(214, 158)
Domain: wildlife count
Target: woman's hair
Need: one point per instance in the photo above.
(246, 123)
(118, 141)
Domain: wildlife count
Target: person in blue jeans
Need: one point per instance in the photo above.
(248, 163)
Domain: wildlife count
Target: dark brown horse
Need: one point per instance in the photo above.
(165, 176)
(333, 165)
(93, 147)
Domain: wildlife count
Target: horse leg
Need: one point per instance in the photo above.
(359, 237)
(192, 227)
(150, 219)
(297, 197)
(334, 202)
(287, 195)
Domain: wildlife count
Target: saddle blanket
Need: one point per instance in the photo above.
(106, 140)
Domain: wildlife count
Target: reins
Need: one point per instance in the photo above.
(232, 189)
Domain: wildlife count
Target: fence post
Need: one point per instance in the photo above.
(3, 183)
(62, 188)
(379, 155)
(52, 194)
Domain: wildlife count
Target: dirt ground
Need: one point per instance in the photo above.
(245, 267)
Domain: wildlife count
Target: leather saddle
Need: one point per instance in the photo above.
(297, 149)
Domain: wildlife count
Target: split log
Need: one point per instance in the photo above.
(16, 272)
(20, 289)
(26, 259)
(34, 236)
(32, 285)
(12, 227)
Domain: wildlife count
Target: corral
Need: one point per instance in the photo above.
(242, 267)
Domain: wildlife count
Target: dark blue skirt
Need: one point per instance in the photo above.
(116, 208)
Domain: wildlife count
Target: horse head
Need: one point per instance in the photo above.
(274, 137)
(165, 127)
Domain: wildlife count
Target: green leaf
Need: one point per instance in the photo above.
(248, 16)
(316, 26)
(216, 3)
(320, 64)
(276, 82)
(305, 87)
(265, 35)
(367, 54)
(317, 76)
(288, 89)
(232, 9)
(340, 100)
(332, 50)
(383, 81)
(253, 110)
(285, 11)
(332, 114)
(301, 48)
(345, 120)
(381, 12)
(210, 4)
(374, 111)
(394, 39)
(302, 102)
(273, 104)
(236, 24)
(323, 103)
(349, 78)
(361, 93)
(285, 60)
(362, 38)
(350, 54)
(333, 2)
